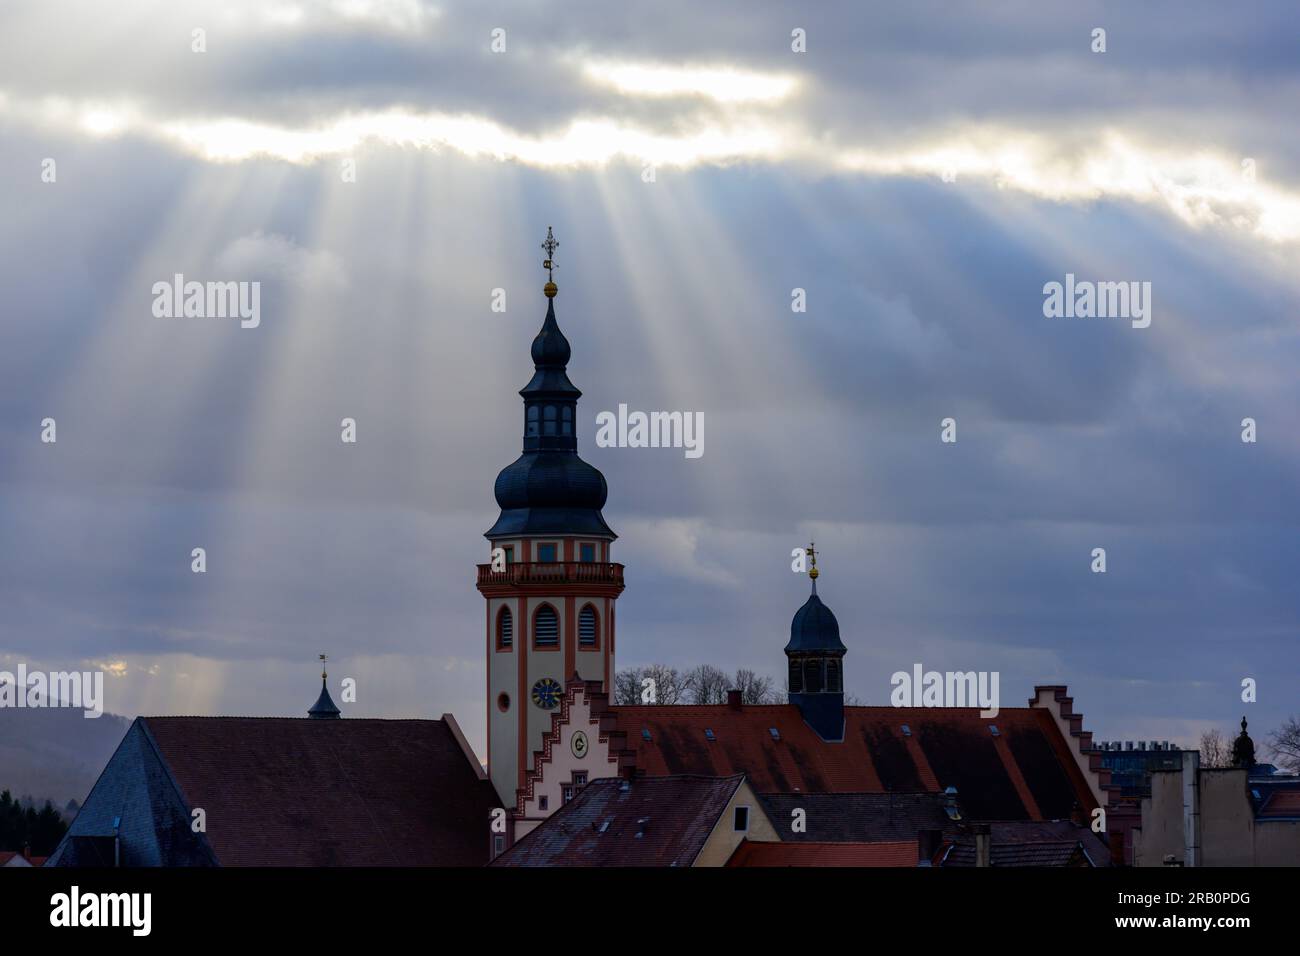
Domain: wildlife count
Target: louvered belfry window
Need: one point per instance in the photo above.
(812, 676)
(587, 627)
(546, 627)
(505, 629)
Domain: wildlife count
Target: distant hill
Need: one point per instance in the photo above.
(54, 753)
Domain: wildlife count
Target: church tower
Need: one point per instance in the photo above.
(550, 585)
(816, 658)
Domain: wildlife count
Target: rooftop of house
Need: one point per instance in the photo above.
(862, 817)
(285, 791)
(1017, 766)
(1033, 843)
(649, 821)
(896, 853)
(1279, 804)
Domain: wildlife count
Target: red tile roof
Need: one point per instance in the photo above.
(7, 855)
(1026, 771)
(1281, 803)
(825, 854)
(282, 791)
(649, 821)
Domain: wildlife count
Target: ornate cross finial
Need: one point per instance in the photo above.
(550, 245)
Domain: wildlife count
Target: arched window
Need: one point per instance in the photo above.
(796, 676)
(548, 420)
(812, 676)
(587, 629)
(505, 630)
(566, 420)
(833, 683)
(531, 430)
(546, 627)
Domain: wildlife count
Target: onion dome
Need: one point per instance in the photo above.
(814, 627)
(324, 708)
(548, 489)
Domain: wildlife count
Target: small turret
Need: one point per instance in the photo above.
(816, 663)
(324, 708)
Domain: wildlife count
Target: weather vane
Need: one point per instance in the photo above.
(323, 659)
(550, 245)
(812, 558)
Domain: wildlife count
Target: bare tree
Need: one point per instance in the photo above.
(1215, 751)
(666, 685)
(706, 685)
(1285, 745)
(753, 688)
(627, 686)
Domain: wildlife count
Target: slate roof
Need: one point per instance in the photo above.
(1057, 853)
(649, 821)
(1025, 772)
(900, 853)
(355, 792)
(859, 817)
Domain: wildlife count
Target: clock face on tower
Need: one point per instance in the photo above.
(546, 693)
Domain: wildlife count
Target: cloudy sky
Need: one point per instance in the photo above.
(920, 170)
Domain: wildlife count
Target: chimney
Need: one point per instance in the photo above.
(983, 839)
(733, 699)
(927, 845)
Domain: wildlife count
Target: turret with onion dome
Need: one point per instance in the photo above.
(816, 660)
(324, 708)
(549, 489)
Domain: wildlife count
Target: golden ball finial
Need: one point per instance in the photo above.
(550, 289)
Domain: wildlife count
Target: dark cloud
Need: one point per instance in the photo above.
(924, 301)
